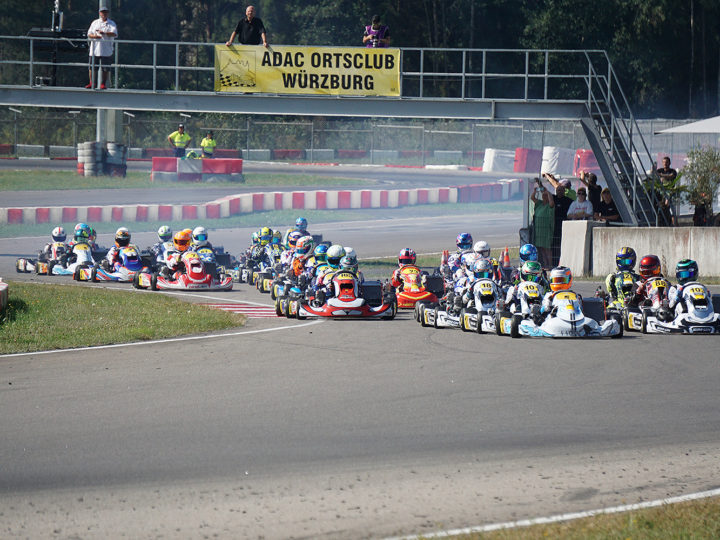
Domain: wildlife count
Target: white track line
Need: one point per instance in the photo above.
(563, 517)
(168, 340)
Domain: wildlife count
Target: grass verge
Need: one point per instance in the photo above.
(58, 180)
(43, 317)
(696, 519)
(281, 218)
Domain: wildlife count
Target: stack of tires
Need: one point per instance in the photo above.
(91, 156)
(116, 160)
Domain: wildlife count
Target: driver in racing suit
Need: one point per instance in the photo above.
(112, 261)
(625, 262)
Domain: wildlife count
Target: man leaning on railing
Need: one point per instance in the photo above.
(101, 34)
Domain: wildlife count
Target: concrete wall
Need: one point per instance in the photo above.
(669, 243)
(576, 249)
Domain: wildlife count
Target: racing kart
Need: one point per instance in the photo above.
(567, 319)
(476, 315)
(697, 316)
(528, 299)
(131, 262)
(350, 299)
(57, 252)
(635, 314)
(196, 275)
(417, 286)
(80, 257)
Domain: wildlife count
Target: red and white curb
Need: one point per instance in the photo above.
(252, 311)
(245, 203)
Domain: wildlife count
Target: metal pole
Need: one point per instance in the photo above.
(312, 139)
(16, 134)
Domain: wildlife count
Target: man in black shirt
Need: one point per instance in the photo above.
(607, 210)
(590, 180)
(250, 30)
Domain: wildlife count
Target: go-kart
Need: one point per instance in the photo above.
(417, 286)
(695, 314)
(566, 319)
(197, 275)
(56, 252)
(80, 257)
(635, 313)
(130, 263)
(528, 298)
(350, 299)
(479, 315)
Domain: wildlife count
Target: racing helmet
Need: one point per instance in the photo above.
(200, 236)
(625, 258)
(276, 239)
(164, 233)
(650, 266)
(181, 240)
(528, 252)
(122, 237)
(531, 271)
(349, 263)
(482, 248)
(467, 260)
(686, 271)
(58, 234)
(292, 239)
(301, 223)
(304, 247)
(482, 268)
(82, 225)
(82, 235)
(93, 234)
(334, 254)
(350, 252)
(255, 239)
(321, 253)
(464, 240)
(265, 236)
(560, 278)
(406, 256)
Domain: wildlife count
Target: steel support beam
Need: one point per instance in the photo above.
(474, 109)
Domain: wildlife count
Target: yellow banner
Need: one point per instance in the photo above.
(342, 71)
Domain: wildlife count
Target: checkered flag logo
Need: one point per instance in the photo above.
(236, 81)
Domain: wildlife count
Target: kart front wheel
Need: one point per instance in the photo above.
(136, 280)
(153, 281)
(390, 314)
(278, 307)
(437, 312)
(515, 326)
(620, 323)
(93, 274)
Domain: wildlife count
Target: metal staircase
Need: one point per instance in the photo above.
(620, 148)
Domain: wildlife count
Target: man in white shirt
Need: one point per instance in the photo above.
(101, 34)
(580, 208)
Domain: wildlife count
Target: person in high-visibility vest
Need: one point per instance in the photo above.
(179, 140)
(208, 145)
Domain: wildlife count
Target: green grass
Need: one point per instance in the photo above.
(684, 521)
(42, 317)
(57, 180)
(281, 218)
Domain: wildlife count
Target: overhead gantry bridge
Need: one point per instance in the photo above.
(470, 84)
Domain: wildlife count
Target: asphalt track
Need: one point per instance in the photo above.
(343, 429)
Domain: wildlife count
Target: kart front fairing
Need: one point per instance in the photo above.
(695, 315)
(566, 320)
(346, 301)
(83, 258)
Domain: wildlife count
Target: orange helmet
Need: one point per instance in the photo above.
(560, 278)
(182, 239)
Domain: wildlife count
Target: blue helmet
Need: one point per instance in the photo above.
(321, 253)
(625, 259)
(686, 271)
(301, 223)
(528, 252)
(464, 240)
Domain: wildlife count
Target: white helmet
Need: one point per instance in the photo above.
(58, 234)
(164, 233)
(200, 236)
(334, 254)
(482, 248)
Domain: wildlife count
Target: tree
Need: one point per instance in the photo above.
(702, 174)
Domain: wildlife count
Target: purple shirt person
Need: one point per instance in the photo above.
(376, 34)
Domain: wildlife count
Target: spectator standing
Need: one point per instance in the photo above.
(376, 34)
(179, 140)
(208, 145)
(580, 208)
(594, 190)
(543, 225)
(562, 200)
(608, 211)
(667, 176)
(700, 217)
(666, 173)
(102, 33)
(249, 30)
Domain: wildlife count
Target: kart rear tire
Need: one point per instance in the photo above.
(278, 307)
(626, 320)
(464, 328)
(153, 281)
(76, 273)
(498, 331)
(93, 274)
(37, 267)
(288, 314)
(643, 324)
(50, 266)
(136, 280)
(421, 315)
(515, 326)
(417, 311)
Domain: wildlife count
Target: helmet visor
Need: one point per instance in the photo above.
(534, 277)
(626, 262)
(560, 280)
(687, 273)
(182, 242)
